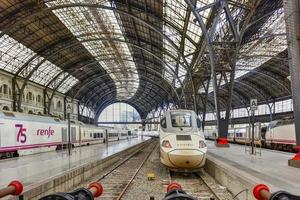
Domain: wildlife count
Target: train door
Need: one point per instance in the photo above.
(73, 134)
(79, 131)
(64, 135)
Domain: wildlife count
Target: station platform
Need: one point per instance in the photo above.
(32, 169)
(270, 168)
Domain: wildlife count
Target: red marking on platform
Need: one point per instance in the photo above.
(296, 157)
(222, 141)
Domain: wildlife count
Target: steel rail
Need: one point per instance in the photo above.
(209, 187)
(136, 172)
(217, 197)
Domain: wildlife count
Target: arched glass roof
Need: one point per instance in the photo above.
(147, 53)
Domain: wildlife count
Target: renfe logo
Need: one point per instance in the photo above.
(47, 132)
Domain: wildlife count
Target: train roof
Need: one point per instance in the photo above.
(179, 110)
(29, 117)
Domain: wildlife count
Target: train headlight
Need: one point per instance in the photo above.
(166, 144)
(202, 144)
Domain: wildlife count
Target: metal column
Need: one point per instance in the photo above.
(292, 20)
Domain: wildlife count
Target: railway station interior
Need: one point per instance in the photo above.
(150, 99)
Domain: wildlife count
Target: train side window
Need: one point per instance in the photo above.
(198, 123)
(163, 123)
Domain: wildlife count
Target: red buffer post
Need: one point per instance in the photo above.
(96, 189)
(261, 192)
(13, 188)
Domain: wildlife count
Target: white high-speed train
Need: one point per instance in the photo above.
(278, 134)
(23, 134)
(182, 144)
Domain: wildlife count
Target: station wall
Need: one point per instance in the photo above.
(32, 99)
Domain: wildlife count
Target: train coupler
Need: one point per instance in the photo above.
(175, 192)
(94, 190)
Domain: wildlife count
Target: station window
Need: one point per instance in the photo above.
(39, 98)
(5, 89)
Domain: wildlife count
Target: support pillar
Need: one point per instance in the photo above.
(292, 20)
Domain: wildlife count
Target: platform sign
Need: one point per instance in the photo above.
(69, 107)
(253, 104)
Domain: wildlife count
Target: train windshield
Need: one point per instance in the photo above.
(181, 120)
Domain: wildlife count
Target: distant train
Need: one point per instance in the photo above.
(182, 144)
(278, 135)
(23, 134)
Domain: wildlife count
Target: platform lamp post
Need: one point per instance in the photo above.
(69, 111)
(253, 108)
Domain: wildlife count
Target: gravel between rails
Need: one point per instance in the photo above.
(142, 189)
(115, 181)
(200, 185)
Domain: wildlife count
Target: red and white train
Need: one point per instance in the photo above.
(279, 135)
(23, 134)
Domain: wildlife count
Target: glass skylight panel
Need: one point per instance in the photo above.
(98, 30)
(188, 47)
(259, 51)
(13, 54)
(193, 31)
(45, 73)
(175, 12)
(67, 84)
(204, 13)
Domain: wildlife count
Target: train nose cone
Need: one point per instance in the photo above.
(186, 158)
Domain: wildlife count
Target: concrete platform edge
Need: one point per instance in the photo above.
(68, 180)
(230, 177)
(294, 163)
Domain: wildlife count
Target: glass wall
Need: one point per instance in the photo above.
(264, 109)
(119, 112)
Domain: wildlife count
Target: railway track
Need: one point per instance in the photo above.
(200, 185)
(118, 179)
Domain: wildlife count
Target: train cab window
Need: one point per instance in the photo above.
(163, 123)
(198, 123)
(181, 120)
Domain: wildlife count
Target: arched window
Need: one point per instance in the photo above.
(39, 99)
(59, 106)
(5, 108)
(5, 89)
(1, 88)
(119, 112)
(29, 96)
